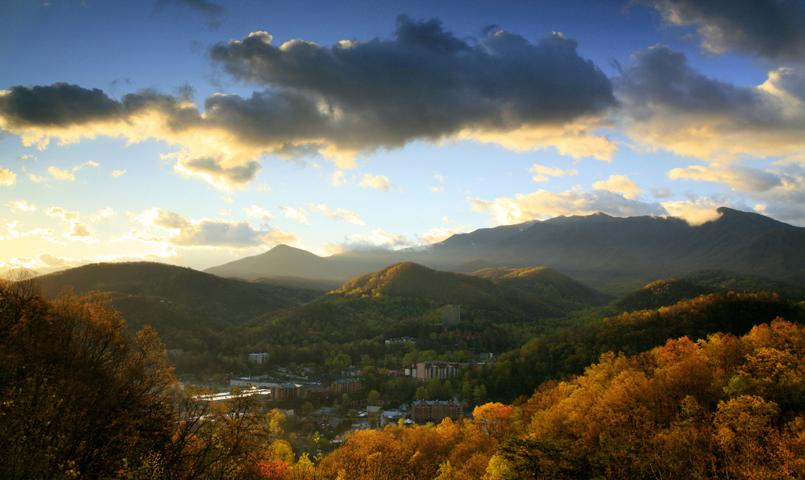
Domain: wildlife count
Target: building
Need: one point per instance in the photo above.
(451, 315)
(284, 392)
(425, 371)
(436, 410)
(345, 385)
(258, 358)
(400, 340)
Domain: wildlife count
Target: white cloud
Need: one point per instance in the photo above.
(18, 206)
(695, 212)
(542, 172)
(25, 157)
(118, 173)
(543, 204)
(7, 177)
(437, 234)
(339, 214)
(377, 239)
(61, 175)
(296, 214)
(378, 182)
(62, 213)
(619, 184)
(258, 212)
(338, 178)
(36, 178)
(162, 226)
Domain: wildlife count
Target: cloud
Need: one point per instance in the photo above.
(695, 212)
(37, 178)
(338, 178)
(27, 157)
(61, 175)
(118, 173)
(543, 204)
(62, 213)
(69, 175)
(377, 239)
(437, 234)
(619, 184)
(7, 177)
(542, 172)
(738, 178)
(339, 214)
(158, 226)
(339, 102)
(296, 214)
(767, 28)
(256, 211)
(19, 206)
(432, 84)
(668, 105)
(378, 182)
(79, 231)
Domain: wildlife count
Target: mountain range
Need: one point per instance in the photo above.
(612, 254)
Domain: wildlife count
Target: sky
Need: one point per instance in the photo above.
(196, 132)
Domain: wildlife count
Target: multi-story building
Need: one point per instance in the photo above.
(345, 385)
(425, 371)
(436, 410)
(258, 357)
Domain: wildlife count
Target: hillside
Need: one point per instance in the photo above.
(660, 293)
(405, 299)
(612, 254)
(546, 284)
(184, 305)
(567, 351)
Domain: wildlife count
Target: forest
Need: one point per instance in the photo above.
(82, 399)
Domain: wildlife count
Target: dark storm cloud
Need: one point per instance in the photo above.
(65, 105)
(56, 105)
(425, 82)
(660, 76)
(774, 29)
(353, 97)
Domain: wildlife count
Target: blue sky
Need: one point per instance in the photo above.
(684, 121)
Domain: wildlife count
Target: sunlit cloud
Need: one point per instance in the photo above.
(543, 204)
(542, 172)
(620, 184)
(695, 212)
(339, 214)
(163, 226)
(7, 177)
(118, 173)
(21, 206)
(669, 105)
(377, 182)
(297, 214)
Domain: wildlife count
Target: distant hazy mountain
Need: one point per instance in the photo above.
(184, 305)
(608, 253)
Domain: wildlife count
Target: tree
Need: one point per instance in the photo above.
(78, 397)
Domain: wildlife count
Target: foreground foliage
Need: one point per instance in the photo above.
(80, 399)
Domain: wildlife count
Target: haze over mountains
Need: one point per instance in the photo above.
(609, 253)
